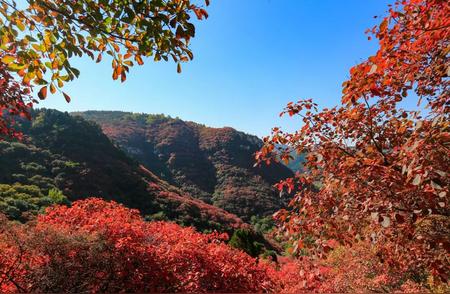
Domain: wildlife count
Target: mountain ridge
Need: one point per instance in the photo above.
(72, 155)
(215, 165)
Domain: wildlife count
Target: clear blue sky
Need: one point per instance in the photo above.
(251, 58)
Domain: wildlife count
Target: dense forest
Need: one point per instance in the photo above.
(354, 200)
(64, 158)
(213, 165)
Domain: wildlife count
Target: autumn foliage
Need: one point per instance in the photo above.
(370, 210)
(39, 38)
(102, 246)
(14, 101)
(99, 246)
(356, 269)
(214, 165)
(374, 171)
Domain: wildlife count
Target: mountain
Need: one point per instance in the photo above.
(65, 156)
(215, 165)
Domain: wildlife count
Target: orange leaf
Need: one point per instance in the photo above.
(42, 93)
(115, 74)
(139, 59)
(55, 64)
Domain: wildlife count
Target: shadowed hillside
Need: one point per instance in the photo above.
(73, 157)
(215, 165)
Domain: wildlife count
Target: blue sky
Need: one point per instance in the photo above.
(251, 58)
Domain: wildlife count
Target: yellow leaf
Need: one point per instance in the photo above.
(47, 40)
(20, 25)
(7, 59)
(36, 47)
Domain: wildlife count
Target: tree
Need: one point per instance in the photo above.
(246, 240)
(14, 101)
(99, 246)
(373, 170)
(355, 269)
(38, 41)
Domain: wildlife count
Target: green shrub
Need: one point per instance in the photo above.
(262, 225)
(17, 199)
(246, 241)
(57, 197)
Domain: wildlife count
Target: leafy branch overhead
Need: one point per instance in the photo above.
(38, 40)
(376, 171)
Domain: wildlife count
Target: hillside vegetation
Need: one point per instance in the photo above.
(215, 165)
(108, 202)
(64, 156)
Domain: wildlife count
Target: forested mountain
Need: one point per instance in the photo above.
(215, 165)
(65, 156)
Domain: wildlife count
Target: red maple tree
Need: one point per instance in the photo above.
(375, 171)
(99, 246)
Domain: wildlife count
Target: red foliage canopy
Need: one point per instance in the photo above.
(375, 171)
(102, 246)
(99, 246)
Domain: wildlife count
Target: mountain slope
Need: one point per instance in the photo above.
(211, 164)
(72, 155)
